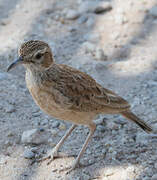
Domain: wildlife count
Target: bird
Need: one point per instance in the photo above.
(68, 94)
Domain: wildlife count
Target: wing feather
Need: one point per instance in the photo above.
(81, 92)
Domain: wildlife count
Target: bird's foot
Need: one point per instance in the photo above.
(53, 155)
(50, 156)
(69, 169)
(74, 166)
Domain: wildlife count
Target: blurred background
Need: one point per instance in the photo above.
(114, 42)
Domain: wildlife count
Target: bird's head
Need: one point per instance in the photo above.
(34, 54)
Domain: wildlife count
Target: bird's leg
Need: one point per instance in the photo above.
(54, 153)
(92, 128)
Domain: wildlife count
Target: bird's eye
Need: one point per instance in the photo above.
(38, 56)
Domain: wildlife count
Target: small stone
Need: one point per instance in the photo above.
(9, 109)
(88, 6)
(91, 161)
(115, 35)
(8, 143)
(89, 47)
(90, 22)
(93, 37)
(10, 134)
(54, 132)
(55, 124)
(72, 15)
(109, 172)
(85, 176)
(103, 7)
(34, 149)
(82, 19)
(130, 169)
(153, 11)
(62, 126)
(120, 18)
(99, 55)
(72, 29)
(123, 52)
(104, 151)
(35, 136)
(49, 11)
(44, 122)
(36, 114)
(4, 22)
(3, 159)
(99, 121)
(94, 7)
(155, 165)
(28, 154)
(120, 121)
(152, 83)
(101, 128)
(41, 129)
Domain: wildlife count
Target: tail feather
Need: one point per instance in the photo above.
(129, 115)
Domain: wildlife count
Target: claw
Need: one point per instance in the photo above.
(53, 155)
(71, 168)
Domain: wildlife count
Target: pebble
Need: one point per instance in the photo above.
(101, 128)
(93, 37)
(115, 35)
(44, 122)
(88, 6)
(10, 134)
(28, 154)
(90, 22)
(3, 159)
(62, 126)
(155, 165)
(103, 7)
(85, 176)
(8, 143)
(153, 11)
(94, 7)
(36, 114)
(72, 29)
(109, 172)
(72, 15)
(35, 136)
(104, 151)
(10, 109)
(99, 55)
(130, 169)
(89, 47)
(55, 124)
(34, 149)
(82, 19)
(54, 132)
(120, 18)
(152, 83)
(99, 121)
(148, 171)
(120, 121)
(154, 177)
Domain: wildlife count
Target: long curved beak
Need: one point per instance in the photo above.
(15, 63)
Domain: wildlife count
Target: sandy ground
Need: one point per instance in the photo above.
(127, 36)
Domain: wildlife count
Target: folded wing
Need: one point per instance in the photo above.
(78, 91)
